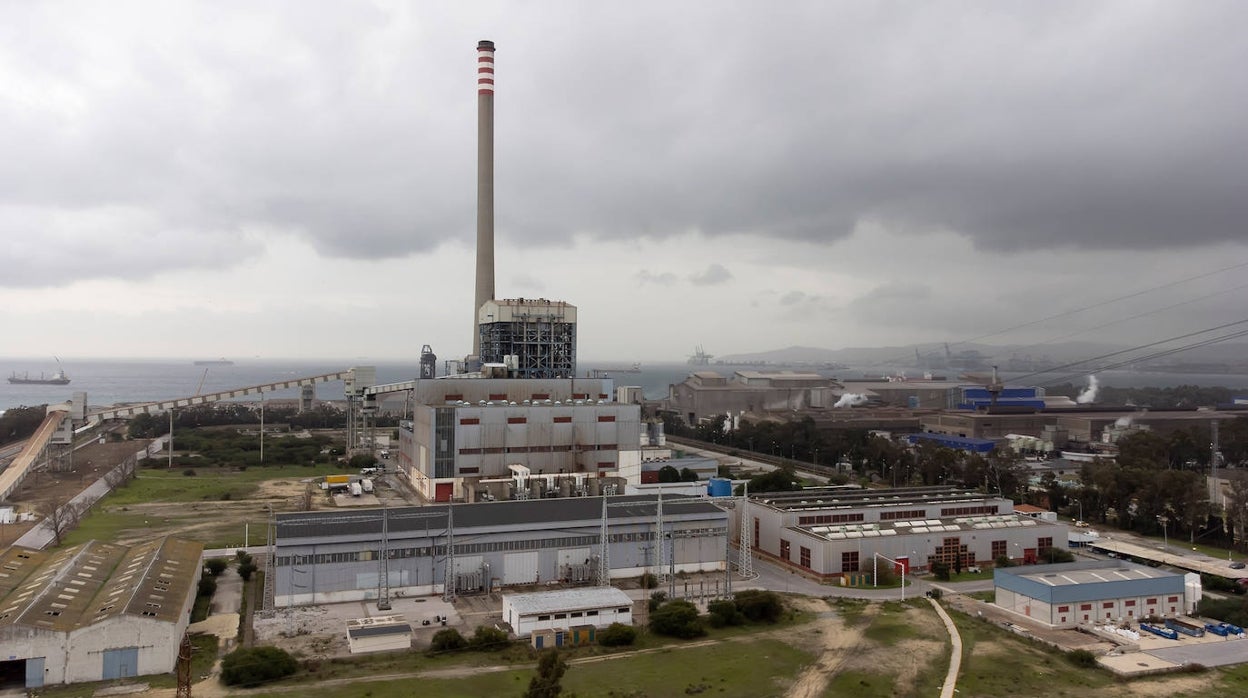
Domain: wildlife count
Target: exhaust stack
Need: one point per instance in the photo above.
(485, 186)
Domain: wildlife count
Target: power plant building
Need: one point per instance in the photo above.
(534, 338)
(466, 432)
(335, 556)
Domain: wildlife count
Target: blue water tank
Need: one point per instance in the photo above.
(719, 487)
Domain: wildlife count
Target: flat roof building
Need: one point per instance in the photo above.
(466, 434)
(828, 532)
(331, 556)
(1077, 593)
(565, 608)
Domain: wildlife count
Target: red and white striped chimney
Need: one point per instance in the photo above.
(485, 186)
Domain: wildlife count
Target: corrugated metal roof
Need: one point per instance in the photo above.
(84, 584)
(587, 598)
(379, 630)
(486, 514)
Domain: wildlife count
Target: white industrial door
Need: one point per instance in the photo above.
(520, 568)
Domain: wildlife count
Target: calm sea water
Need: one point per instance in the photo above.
(109, 381)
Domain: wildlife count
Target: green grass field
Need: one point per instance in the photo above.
(741, 668)
(130, 512)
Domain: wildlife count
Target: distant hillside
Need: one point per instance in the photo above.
(905, 355)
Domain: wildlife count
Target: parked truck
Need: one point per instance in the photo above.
(356, 489)
(336, 482)
(367, 485)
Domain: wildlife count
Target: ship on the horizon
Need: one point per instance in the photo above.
(214, 362)
(58, 378)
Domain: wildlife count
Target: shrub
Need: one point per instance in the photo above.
(1004, 561)
(253, 666)
(207, 586)
(447, 640)
(941, 570)
(1081, 658)
(617, 635)
(487, 638)
(216, 566)
(189, 472)
(649, 581)
(723, 613)
(656, 600)
(760, 606)
(1054, 555)
(677, 619)
(246, 569)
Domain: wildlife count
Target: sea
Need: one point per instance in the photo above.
(111, 381)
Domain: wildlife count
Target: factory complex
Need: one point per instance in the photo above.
(544, 485)
(830, 532)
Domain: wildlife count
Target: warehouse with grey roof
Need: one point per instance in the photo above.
(328, 557)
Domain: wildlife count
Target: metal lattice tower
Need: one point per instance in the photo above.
(746, 565)
(269, 595)
(604, 560)
(448, 586)
(184, 667)
(659, 546)
(383, 562)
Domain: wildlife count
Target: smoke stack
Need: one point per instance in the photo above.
(485, 185)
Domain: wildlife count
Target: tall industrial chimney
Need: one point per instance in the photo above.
(485, 185)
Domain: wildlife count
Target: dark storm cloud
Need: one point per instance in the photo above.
(1022, 125)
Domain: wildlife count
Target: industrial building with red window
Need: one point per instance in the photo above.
(828, 532)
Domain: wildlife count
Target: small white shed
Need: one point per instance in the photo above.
(378, 634)
(562, 609)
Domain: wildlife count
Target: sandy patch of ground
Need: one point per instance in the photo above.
(836, 642)
(908, 657)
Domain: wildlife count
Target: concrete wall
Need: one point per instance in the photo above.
(524, 625)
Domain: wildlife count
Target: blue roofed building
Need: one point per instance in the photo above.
(1100, 591)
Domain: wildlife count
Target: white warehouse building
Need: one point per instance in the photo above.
(565, 608)
(829, 532)
(94, 611)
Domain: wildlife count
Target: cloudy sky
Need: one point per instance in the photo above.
(287, 179)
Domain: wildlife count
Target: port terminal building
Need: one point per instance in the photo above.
(1100, 591)
(830, 532)
(453, 549)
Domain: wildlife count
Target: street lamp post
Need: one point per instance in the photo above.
(1165, 535)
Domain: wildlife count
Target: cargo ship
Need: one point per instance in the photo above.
(58, 378)
(214, 362)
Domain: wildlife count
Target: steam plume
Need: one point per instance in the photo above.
(1088, 396)
(851, 400)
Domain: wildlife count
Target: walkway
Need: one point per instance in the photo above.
(955, 657)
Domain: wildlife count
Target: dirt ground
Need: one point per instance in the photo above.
(44, 487)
